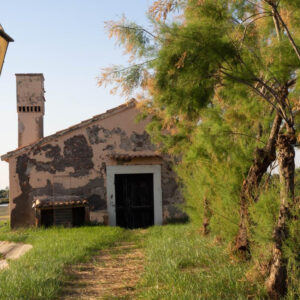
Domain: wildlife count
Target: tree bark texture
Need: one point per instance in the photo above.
(206, 217)
(262, 160)
(277, 281)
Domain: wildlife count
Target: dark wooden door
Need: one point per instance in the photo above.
(134, 200)
(78, 216)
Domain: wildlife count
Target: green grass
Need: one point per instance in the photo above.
(182, 264)
(39, 274)
(4, 213)
(179, 263)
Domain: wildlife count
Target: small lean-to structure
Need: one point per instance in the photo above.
(104, 170)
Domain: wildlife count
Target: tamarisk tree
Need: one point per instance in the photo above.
(225, 56)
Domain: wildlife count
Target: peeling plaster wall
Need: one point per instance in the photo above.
(75, 164)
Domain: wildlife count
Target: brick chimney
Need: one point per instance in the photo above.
(30, 108)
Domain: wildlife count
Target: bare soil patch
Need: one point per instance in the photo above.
(113, 274)
(10, 250)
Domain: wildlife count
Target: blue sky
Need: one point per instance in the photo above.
(65, 40)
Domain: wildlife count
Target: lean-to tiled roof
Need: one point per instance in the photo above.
(59, 201)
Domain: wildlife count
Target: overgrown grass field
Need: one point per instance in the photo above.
(39, 274)
(180, 263)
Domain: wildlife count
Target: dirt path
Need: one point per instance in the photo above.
(113, 274)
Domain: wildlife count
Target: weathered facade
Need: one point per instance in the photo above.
(103, 170)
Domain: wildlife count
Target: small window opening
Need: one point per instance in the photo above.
(28, 108)
(39, 108)
(20, 108)
(35, 108)
(23, 108)
(31, 108)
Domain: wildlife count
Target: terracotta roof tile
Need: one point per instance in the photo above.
(59, 201)
(127, 156)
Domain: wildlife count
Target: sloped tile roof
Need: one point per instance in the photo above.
(107, 114)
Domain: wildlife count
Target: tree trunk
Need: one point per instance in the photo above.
(206, 217)
(277, 281)
(262, 160)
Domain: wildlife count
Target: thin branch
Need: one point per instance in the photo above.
(257, 91)
(274, 132)
(277, 25)
(247, 135)
(290, 110)
(139, 29)
(132, 66)
(255, 4)
(291, 83)
(248, 24)
(224, 217)
(257, 19)
(287, 30)
(281, 107)
(259, 60)
(254, 15)
(268, 88)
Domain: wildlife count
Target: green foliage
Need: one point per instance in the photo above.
(4, 194)
(218, 73)
(292, 252)
(292, 246)
(214, 167)
(264, 214)
(217, 80)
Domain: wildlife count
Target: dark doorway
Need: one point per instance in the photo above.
(78, 216)
(134, 200)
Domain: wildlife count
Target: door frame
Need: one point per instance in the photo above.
(133, 169)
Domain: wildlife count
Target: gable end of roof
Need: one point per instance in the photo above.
(130, 104)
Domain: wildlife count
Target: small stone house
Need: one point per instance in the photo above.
(104, 170)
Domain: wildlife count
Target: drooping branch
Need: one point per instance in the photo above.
(126, 78)
(278, 17)
(277, 25)
(131, 66)
(254, 4)
(263, 15)
(255, 89)
(246, 135)
(161, 8)
(139, 29)
(295, 47)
